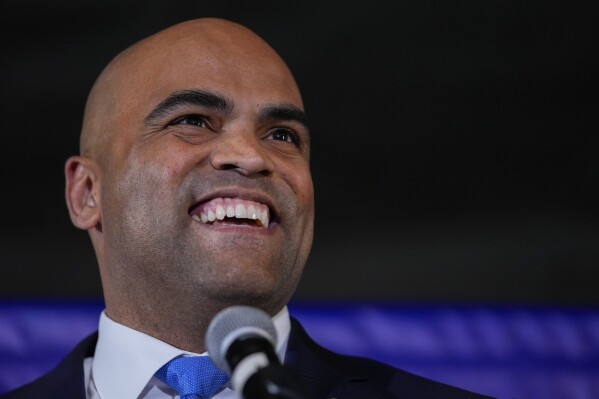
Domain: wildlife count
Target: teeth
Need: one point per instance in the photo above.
(220, 212)
(211, 216)
(252, 212)
(230, 211)
(241, 212)
(264, 218)
(226, 208)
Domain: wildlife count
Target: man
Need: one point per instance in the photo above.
(194, 185)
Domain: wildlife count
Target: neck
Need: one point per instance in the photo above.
(183, 326)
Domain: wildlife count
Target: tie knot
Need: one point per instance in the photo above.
(192, 376)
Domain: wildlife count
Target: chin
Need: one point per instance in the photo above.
(266, 296)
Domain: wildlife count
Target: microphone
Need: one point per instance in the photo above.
(240, 341)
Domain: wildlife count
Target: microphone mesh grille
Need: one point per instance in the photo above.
(228, 321)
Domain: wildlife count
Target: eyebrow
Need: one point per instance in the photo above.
(284, 112)
(213, 100)
(202, 98)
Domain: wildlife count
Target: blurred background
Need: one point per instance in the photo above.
(455, 157)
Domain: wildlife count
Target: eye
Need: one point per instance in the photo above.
(193, 120)
(281, 134)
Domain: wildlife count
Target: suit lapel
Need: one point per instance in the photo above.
(326, 374)
(67, 379)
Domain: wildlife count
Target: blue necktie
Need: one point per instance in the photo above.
(193, 377)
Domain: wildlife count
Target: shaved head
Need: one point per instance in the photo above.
(110, 97)
(193, 179)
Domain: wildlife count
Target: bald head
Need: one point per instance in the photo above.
(195, 118)
(162, 62)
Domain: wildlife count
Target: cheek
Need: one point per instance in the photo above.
(166, 164)
(300, 181)
(304, 189)
(147, 182)
(161, 164)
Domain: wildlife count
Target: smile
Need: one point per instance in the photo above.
(232, 210)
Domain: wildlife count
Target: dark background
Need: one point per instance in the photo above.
(455, 143)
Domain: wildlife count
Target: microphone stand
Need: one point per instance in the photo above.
(274, 382)
(271, 381)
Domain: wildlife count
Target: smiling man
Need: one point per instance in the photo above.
(193, 180)
(194, 184)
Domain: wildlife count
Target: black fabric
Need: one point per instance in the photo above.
(328, 375)
(64, 381)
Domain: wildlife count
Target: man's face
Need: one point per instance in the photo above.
(206, 189)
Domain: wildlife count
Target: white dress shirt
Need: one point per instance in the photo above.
(126, 360)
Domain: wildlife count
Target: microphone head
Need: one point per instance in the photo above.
(233, 323)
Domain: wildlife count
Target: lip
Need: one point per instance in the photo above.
(244, 194)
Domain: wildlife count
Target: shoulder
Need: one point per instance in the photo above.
(331, 375)
(66, 380)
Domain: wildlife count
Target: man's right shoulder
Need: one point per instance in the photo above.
(66, 380)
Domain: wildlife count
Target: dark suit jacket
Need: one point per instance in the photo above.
(327, 374)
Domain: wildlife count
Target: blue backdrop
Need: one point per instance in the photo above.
(505, 352)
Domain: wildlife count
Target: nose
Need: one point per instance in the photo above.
(242, 152)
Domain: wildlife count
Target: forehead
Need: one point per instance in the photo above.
(235, 63)
(211, 55)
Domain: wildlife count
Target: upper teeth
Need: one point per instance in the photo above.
(219, 208)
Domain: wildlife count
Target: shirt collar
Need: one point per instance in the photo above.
(126, 359)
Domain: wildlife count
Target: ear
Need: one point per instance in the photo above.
(82, 192)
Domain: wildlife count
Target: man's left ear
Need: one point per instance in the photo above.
(82, 192)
